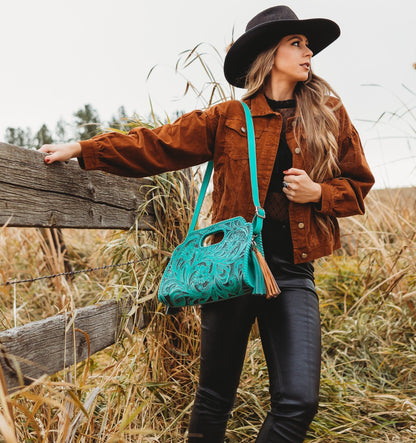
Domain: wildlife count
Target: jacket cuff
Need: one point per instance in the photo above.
(327, 200)
(89, 154)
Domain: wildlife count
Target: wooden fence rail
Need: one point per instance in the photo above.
(50, 345)
(64, 196)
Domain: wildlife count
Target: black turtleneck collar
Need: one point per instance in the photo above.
(281, 104)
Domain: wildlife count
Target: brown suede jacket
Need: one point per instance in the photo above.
(219, 133)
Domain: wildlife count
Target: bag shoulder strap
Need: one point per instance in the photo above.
(260, 214)
(202, 192)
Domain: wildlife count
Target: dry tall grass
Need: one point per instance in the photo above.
(141, 389)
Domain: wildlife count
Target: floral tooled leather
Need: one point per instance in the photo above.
(198, 274)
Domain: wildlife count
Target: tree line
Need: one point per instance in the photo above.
(86, 123)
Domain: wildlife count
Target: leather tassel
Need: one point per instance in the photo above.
(259, 283)
(272, 289)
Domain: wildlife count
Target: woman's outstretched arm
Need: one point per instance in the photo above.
(143, 151)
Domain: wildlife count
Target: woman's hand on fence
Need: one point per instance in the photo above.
(300, 188)
(60, 153)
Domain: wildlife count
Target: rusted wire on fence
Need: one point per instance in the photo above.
(118, 265)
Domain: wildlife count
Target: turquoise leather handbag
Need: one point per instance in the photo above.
(199, 272)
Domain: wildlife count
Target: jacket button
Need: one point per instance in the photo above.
(304, 255)
(301, 225)
(297, 150)
(243, 129)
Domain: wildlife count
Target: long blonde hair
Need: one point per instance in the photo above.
(315, 121)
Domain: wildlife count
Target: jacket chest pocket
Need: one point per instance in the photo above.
(235, 141)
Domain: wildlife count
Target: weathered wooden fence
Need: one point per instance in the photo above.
(62, 195)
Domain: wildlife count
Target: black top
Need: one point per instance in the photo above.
(277, 239)
(283, 159)
(276, 204)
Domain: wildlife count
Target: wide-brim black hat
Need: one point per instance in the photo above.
(265, 30)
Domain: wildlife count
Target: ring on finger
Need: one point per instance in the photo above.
(286, 185)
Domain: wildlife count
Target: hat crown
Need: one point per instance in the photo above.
(272, 14)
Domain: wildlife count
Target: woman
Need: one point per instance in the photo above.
(311, 169)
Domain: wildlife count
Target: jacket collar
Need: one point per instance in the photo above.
(258, 105)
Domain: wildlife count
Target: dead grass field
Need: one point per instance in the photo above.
(141, 389)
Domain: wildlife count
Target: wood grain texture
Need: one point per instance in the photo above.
(63, 195)
(50, 345)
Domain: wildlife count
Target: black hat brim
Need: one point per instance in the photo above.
(319, 32)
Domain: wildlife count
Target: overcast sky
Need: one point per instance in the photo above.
(61, 54)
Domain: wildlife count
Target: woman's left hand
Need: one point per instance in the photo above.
(300, 188)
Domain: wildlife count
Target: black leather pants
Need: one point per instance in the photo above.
(290, 334)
